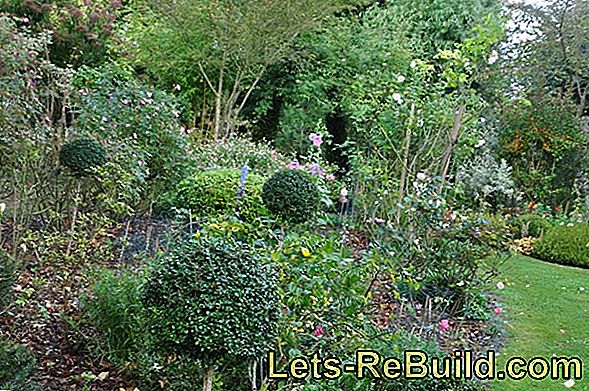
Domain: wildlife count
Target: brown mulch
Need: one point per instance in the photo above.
(45, 317)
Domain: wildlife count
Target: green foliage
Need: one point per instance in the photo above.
(217, 192)
(17, 367)
(292, 195)
(435, 25)
(532, 225)
(136, 124)
(567, 245)
(82, 155)
(211, 299)
(114, 307)
(544, 142)
(234, 152)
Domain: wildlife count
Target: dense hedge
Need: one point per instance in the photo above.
(215, 192)
(568, 245)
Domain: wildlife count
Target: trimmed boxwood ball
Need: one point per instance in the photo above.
(82, 155)
(291, 195)
(214, 192)
(212, 299)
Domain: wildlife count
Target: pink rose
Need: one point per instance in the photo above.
(499, 311)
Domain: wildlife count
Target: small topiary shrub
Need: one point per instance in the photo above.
(531, 225)
(82, 155)
(210, 300)
(565, 245)
(291, 195)
(213, 192)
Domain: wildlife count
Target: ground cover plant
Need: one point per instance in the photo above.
(198, 194)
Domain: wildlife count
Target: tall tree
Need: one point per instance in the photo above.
(229, 43)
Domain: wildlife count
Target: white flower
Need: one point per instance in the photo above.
(493, 57)
(400, 79)
(500, 285)
(483, 120)
(343, 192)
(480, 143)
(413, 64)
(420, 123)
(569, 383)
(23, 247)
(421, 176)
(2, 207)
(177, 87)
(397, 98)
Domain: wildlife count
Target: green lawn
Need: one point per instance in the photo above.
(546, 307)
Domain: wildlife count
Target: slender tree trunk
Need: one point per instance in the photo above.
(208, 379)
(446, 157)
(218, 103)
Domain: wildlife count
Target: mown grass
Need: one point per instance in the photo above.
(546, 310)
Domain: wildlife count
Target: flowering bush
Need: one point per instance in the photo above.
(291, 195)
(138, 126)
(235, 152)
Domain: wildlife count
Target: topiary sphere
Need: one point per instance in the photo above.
(82, 155)
(212, 299)
(291, 195)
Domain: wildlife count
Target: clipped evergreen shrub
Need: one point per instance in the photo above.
(212, 299)
(82, 155)
(215, 192)
(531, 225)
(565, 245)
(291, 195)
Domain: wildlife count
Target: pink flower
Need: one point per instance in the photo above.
(444, 325)
(294, 165)
(318, 332)
(316, 139)
(330, 177)
(499, 311)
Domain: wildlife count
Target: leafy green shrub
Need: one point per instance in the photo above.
(115, 308)
(568, 245)
(291, 195)
(532, 225)
(17, 367)
(213, 192)
(138, 126)
(82, 155)
(211, 299)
